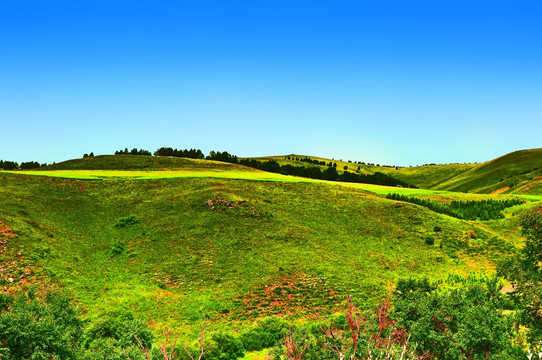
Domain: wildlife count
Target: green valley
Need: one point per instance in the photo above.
(169, 241)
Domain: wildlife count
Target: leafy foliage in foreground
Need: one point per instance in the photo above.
(353, 335)
(467, 210)
(465, 323)
(41, 329)
(525, 272)
(50, 327)
(426, 322)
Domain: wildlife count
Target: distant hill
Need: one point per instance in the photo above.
(426, 176)
(519, 172)
(141, 162)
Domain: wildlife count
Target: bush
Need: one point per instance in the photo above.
(429, 240)
(463, 323)
(524, 270)
(112, 333)
(265, 335)
(41, 329)
(117, 248)
(126, 221)
(437, 228)
(225, 347)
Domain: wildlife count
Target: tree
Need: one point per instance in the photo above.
(330, 174)
(29, 165)
(464, 323)
(41, 329)
(222, 156)
(167, 151)
(525, 272)
(8, 165)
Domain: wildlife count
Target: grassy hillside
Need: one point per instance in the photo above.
(426, 176)
(519, 172)
(171, 250)
(517, 169)
(142, 163)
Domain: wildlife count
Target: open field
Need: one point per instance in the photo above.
(244, 173)
(301, 234)
(229, 242)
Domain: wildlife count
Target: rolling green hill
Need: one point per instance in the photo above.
(507, 173)
(169, 240)
(426, 176)
(519, 172)
(173, 249)
(142, 163)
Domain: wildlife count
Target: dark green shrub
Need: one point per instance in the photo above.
(225, 347)
(126, 221)
(524, 271)
(466, 323)
(117, 248)
(468, 210)
(120, 325)
(268, 332)
(40, 329)
(429, 240)
(437, 228)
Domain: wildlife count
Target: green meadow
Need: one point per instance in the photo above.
(169, 241)
(519, 173)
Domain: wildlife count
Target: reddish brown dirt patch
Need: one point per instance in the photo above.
(221, 204)
(6, 231)
(16, 272)
(501, 190)
(288, 295)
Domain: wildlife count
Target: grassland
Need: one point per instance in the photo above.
(169, 240)
(182, 258)
(142, 163)
(426, 176)
(519, 172)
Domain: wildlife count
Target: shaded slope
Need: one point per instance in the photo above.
(426, 176)
(429, 176)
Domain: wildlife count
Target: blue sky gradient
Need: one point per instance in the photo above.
(390, 82)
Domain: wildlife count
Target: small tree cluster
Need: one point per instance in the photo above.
(307, 160)
(222, 156)
(12, 165)
(8, 165)
(468, 210)
(134, 151)
(186, 153)
(330, 173)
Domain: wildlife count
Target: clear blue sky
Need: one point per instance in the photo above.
(394, 82)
